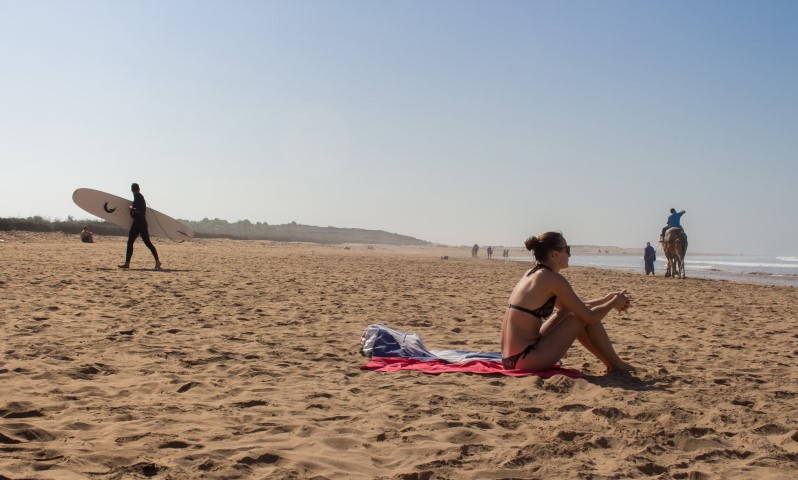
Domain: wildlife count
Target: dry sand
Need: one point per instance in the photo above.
(240, 360)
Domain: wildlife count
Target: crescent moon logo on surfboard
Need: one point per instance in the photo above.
(112, 209)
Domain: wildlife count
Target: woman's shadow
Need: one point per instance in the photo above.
(631, 381)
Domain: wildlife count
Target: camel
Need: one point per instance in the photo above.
(675, 247)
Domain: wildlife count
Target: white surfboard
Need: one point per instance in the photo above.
(117, 211)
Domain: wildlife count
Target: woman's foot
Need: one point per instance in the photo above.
(124, 265)
(621, 367)
(157, 264)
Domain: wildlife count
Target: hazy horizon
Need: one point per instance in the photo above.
(618, 250)
(454, 122)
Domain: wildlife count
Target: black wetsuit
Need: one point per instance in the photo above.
(139, 227)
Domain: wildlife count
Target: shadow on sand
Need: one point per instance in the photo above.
(631, 382)
(160, 270)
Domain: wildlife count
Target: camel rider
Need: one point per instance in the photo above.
(674, 221)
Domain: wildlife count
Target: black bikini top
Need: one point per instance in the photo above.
(541, 312)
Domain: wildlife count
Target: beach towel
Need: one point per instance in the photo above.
(393, 350)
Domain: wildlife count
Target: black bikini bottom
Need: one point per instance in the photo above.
(509, 362)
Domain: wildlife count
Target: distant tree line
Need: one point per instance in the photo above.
(69, 226)
(217, 228)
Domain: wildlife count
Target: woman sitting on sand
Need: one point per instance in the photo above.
(533, 336)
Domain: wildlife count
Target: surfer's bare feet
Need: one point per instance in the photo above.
(124, 265)
(157, 264)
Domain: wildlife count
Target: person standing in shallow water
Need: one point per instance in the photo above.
(534, 336)
(138, 211)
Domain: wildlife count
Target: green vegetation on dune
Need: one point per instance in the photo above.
(216, 228)
(69, 226)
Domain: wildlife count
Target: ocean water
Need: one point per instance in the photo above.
(769, 270)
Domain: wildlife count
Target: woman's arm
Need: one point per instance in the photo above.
(604, 299)
(589, 312)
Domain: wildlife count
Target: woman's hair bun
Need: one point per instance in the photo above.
(544, 244)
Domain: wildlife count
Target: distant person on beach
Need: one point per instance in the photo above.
(490, 252)
(139, 227)
(674, 221)
(86, 236)
(649, 257)
(534, 336)
(474, 251)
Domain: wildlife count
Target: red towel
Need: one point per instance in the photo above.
(394, 364)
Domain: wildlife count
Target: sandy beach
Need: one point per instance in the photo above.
(240, 361)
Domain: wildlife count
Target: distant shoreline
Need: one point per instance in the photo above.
(293, 232)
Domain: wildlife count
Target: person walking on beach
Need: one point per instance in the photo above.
(490, 251)
(139, 227)
(674, 221)
(649, 257)
(534, 336)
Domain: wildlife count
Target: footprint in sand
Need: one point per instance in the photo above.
(610, 413)
(187, 387)
(266, 458)
(20, 410)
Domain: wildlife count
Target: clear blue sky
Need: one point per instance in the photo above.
(456, 122)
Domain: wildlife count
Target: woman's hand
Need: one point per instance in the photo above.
(612, 295)
(622, 301)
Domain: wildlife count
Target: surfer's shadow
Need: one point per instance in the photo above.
(156, 270)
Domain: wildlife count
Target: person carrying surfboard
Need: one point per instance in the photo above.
(139, 227)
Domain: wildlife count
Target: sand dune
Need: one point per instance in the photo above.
(240, 360)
